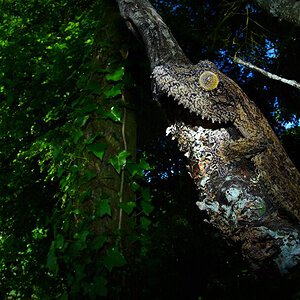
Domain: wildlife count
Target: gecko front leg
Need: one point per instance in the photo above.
(243, 147)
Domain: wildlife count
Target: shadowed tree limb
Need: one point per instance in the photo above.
(288, 10)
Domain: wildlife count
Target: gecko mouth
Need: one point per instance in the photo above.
(176, 112)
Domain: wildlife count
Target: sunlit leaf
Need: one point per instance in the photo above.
(89, 41)
(119, 161)
(113, 91)
(116, 75)
(115, 114)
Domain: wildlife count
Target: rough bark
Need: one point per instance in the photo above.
(160, 44)
(288, 10)
(239, 198)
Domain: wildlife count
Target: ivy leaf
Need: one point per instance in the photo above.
(94, 86)
(81, 237)
(147, 207)
(87, 105)
(79, 244)
(88, 175)
(81, 121)
(113, 258)
(135, 186)
(128, 207)
(79, 272)
(119, 161)
(146, 195)
(60, 171)
(64, 296)
(97, 149)
(100, 288)
(113, 91)
(87, 108)
(52, 259)
(115, 114)
(57, 154)
(133, 168)
(91, 139)
(139, 167)
(98, 242)
(59, 242)
(145, 223)
(103, 208)
(89, 41)
(144, 165)
(116, 75)
(76, 135)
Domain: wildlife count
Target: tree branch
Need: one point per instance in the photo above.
(288, 10)
(160, 44)
(243, 197)
(267, 74)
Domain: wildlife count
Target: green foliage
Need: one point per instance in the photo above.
(62, 155)
(103, 208)
(119, 160)
(58, 236)
(113, 258)
(97, 149)
(117, 75)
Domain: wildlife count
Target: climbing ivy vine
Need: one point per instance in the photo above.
(63, 233)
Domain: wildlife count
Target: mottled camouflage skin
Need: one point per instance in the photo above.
(235, 199)
(228, 103)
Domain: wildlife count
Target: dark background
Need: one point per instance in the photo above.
(188, 258)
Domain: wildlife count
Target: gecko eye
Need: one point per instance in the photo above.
(208, 80)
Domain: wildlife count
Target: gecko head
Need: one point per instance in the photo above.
(199, 88)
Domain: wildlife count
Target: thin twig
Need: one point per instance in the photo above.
(268, 74)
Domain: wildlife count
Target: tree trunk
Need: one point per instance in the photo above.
(288, 10)
(117, 136)
(236, 169)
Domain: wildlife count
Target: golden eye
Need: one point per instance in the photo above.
(208, 80)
